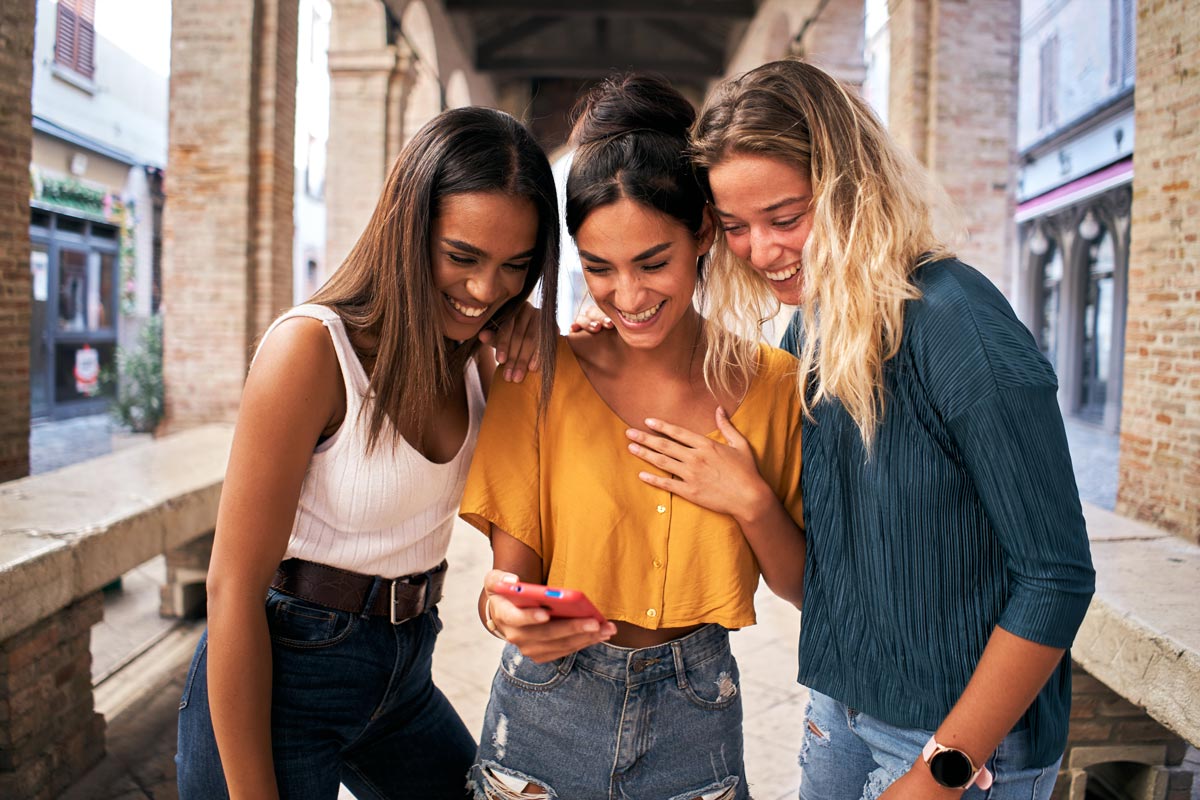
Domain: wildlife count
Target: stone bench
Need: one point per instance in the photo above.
(1136, 695)
(63, 536)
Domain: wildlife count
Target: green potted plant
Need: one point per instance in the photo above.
(137, 404)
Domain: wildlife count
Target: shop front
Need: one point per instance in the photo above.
(76, 236)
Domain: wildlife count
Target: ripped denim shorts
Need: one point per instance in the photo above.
(609, 723)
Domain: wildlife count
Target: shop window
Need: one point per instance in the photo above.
(1098, 325)
(75, 36)
(1050, 302)
(85, 289)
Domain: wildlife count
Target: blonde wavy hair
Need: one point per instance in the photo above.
(872, 208)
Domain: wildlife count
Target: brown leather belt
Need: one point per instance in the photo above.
(397, 599)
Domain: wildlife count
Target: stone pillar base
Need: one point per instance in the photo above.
(183, 595)
(50, 734)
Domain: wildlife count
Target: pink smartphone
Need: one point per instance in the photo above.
(559, 602)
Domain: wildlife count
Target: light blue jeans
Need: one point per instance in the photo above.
(847, 755)
(608, 723)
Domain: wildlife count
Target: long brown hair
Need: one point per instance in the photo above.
(384, 290)
(872, 222)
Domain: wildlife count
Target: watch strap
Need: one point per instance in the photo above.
(981, 777)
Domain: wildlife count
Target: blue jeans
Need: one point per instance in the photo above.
(847, 755)
(611, 722)
(352, 701)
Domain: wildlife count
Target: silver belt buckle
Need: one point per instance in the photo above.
(392, 606)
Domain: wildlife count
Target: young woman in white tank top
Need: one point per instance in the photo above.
(357, 424)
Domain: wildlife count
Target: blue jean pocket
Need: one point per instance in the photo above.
(713, 684)
(304, 625)
(527, 674)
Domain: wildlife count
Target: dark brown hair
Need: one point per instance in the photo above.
(384, 289)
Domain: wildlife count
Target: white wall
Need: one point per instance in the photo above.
(124, 106)
(1085, 71)
(312, 138)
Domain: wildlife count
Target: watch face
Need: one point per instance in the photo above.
(951, 768)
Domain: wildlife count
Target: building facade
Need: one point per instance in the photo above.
(98, 153)
(1076, 140)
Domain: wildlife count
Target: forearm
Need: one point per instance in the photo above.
(778, 544)
(239, 691)
(1005, 683)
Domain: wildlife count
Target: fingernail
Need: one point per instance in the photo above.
(501, 356)
(608, 320)
(631, 433)
(508, 373)
(633, 448)
(509, 579)
(518, 375)
(591, 626)
(645, 476)
(652, 423)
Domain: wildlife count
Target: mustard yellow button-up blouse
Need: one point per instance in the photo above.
(568, 487)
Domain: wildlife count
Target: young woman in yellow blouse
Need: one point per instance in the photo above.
(646, 704)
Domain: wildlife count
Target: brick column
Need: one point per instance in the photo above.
(363, 75)
(1159, 478)
(16, 142)
(953, 103)
(227, 260)
(1110, 740)
(50, 734)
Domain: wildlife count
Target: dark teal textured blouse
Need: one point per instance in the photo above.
(965, 516)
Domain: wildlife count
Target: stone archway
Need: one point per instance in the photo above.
(425, 96)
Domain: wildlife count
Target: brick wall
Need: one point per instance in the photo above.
(1108, 729)
(16, 136)
(1159, 478)
(49, 731)
(953, 102)
(228, 217)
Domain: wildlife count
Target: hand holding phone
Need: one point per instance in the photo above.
(562, 603)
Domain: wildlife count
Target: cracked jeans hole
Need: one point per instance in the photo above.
(726, 688)
(508, 787)
(500, 736)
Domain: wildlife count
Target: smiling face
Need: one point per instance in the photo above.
(640, 267)
(764, 205)
(481, 249)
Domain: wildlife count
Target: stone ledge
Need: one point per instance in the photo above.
(1141, 635)
(65, 534)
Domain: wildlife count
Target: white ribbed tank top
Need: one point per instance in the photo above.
(389, 513)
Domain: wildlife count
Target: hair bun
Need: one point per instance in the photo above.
(627, 103)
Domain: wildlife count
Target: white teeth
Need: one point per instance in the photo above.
(785, 273)
(641, 316)
(466, 311)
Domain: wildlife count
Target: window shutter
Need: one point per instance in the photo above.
(64, 34)
(75, 36)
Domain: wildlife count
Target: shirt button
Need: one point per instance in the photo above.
(651, 612)
(657, 564)
(661, 509)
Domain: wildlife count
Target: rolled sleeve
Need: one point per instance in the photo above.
(503, 484)
(1013, 445)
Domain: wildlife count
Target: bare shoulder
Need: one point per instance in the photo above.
(296, 372)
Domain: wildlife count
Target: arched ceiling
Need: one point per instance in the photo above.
(685, 40)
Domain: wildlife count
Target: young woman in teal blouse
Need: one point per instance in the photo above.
(947, 561)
